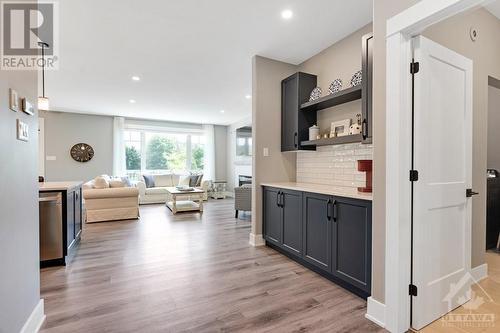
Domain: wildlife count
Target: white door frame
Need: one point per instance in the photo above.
(400, 29)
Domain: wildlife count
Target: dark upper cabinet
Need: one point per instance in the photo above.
(351, 242)
(272, 215)
(367, 91)
(291, 202)
(295, 123)
(317, 229)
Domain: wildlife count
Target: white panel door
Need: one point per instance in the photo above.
(443, 158)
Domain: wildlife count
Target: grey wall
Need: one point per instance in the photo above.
(220, 139)
(19, 251)
(266, 131)
(63, 130)
(493, 125)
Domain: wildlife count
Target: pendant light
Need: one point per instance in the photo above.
(43, 102)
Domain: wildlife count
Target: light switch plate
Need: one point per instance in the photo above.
(266, 152)
(13, 100)
(22, 131)
(50, 158)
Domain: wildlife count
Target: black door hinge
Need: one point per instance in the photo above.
(413, 175)
(412, 290)
(414, 67)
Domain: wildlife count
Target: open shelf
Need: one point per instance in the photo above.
(334, 141)
(341, 97)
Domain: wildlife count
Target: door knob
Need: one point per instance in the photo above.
(469, 193)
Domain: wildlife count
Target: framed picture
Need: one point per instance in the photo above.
(13, 100)
(27, 107)
(22, 131)
(340, 128)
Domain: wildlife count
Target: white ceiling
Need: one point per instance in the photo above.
(494, 8)
(193, 56)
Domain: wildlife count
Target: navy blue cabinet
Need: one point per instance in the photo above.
(291, 204)
(330, 235)
(316, 229)
(351, 242)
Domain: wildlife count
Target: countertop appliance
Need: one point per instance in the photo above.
(51, 233)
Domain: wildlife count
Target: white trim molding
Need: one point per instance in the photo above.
(400, 29)
(480, 272)
(256, 240)
(375, 311)
(35, 320)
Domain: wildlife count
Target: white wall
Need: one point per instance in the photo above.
(220, 139)
(19, 248)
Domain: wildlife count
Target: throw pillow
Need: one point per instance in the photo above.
(184, 180)
(116, 183)
(193, 180)
(101, 182)
(198, 181)
(126, 181)
(149, 180)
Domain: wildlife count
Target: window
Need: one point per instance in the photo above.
(159, 152)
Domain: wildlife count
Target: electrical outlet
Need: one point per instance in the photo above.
(266, 152)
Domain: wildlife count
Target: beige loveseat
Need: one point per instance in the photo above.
(159, 194)
(110, 202)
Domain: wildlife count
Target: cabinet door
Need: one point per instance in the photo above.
(317, 229)
(292, 221)
(351, 242)
(272, 216)
(70, 218)
(289, 113)
(367, 92)
(78, 212)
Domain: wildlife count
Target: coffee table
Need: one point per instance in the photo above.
(185, 201)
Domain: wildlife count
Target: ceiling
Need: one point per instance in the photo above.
(494, 8)
(193, 57)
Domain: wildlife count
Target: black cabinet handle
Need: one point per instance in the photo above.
(328, 215)
(335, 212)
(278, 195)
(282, 199)
(364, 129)
(295, 140)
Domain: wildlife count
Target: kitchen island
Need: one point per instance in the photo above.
(61, 218)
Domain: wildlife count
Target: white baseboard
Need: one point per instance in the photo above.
(35, 320)
(375, 311)
(256, 240)
(480, 272)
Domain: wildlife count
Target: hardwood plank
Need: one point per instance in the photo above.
(190, 273)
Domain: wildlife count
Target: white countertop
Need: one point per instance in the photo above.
(58, 186)
(340, 191)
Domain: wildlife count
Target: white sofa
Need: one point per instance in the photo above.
(110, 200)
(159, 194)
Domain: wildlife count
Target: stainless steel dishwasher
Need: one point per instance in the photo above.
(51, 227)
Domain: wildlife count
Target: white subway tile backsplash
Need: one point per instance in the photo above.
(334, 165)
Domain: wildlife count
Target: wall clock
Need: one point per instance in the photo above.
(82, 152)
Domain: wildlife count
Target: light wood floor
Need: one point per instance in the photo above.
(487, 297)
(187, 273)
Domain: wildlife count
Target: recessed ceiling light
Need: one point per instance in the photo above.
(132, 101)
(248, 96)
(287, 14)
(222, 111)
(136, 78)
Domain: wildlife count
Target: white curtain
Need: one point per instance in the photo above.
(209, 155)
(119, 166)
